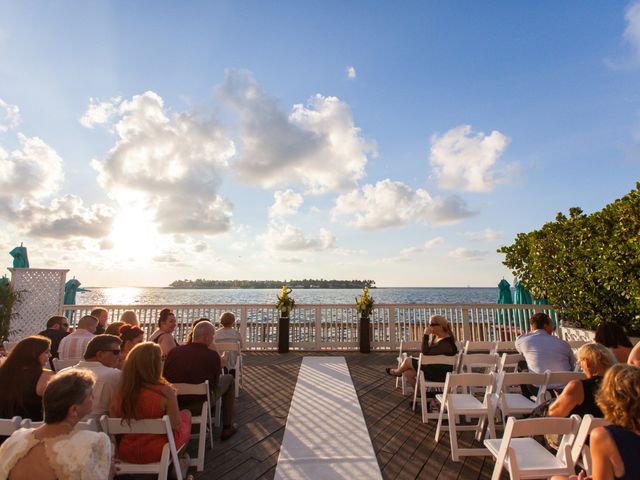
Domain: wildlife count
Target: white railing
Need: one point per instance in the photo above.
(335, 327)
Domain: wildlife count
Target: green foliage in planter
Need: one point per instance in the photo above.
(285, 303)
(587, 265)
(8, 299)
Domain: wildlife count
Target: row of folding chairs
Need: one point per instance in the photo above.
(157, 426)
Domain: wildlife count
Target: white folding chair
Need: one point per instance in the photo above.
(479, 347)
(406, 346)
(157, 426)
(580, 452)
(61, 364)
(509, 362)
(510, 403)
(9, 425)
(576, 344)
(233, 347)
(422, 383)
(524, 457)
(90, 425)
(203, 420)
(457, 404)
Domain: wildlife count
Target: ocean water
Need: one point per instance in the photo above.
(167, 296)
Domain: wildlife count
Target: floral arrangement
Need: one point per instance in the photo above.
(364, 304)
(285, 303)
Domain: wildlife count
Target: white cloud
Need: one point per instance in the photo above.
(288, 237)
(171, 164)
(392, 204)
(486, 235)
(34, 170)
(632, 31)
(9, 116)
(317, 145)
(200, 247)
(404, 256)
(285, 203)
(464, 160)
(99, 113)
(433, 242)
(467, 254)
(65, 217)
(351, 72)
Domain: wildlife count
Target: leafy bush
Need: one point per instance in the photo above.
(8, 299)
(588, 266)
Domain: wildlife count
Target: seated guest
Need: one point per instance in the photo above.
(57, 329)
(228, 333)
(192, 326)
(102, 357)
(130, 336)
(72, 346)
(615, 448)
(130, 317)
(55, 450)
(438, 339)
(612, 336)
(163, 334)
(113, 328)
(634, 356)
(578, 397)
(194, 363)
(543, 351)
(145, 394)
(102, 314)
(23, 379)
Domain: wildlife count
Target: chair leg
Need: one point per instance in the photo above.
(453, 436)
(415, 392)
(440, 418)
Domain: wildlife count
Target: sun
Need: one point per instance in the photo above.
(134, 236)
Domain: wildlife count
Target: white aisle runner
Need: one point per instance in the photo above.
(326, 436)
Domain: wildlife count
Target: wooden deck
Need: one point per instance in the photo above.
(404, 446)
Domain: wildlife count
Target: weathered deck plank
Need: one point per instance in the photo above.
(405, 447)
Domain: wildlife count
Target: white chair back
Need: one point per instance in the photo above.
(9, 425)
(487, 362)
(90, 425)
(479, 347)
(158, 426)
(562, 378)
(422, 383)
(203, 420)
(406, 346)
(236, 350)
(580, 450)
(509, 362)
(508, 347)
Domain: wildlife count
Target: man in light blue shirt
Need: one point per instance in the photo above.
(542, 350)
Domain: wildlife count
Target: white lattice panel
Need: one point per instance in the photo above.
(41, 296)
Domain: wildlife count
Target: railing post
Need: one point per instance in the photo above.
(243, 324)
(318, 330)
(392, 327)
(466, 328)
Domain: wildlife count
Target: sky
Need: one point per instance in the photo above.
(404, 142)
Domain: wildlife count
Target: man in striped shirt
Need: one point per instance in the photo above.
(73, 346)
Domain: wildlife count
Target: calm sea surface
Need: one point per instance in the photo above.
(161, 296)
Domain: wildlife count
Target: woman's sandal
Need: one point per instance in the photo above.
(388, 370)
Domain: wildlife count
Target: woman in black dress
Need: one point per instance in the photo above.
(438, 339)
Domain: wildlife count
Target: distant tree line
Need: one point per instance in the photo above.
(587, 265)
(305, 283)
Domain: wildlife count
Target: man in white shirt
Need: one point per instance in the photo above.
(542, 350)
(102, 358)
(72, 346)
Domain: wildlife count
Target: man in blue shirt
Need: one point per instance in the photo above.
(542, 350)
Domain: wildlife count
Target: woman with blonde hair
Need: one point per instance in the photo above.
(614, 448)
(145, 394)
(579, 396)
(129, 317)
(438, 339)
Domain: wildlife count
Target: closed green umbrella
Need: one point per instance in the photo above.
(20, 258)
(70, 290)
(504, 294)
(522, 296)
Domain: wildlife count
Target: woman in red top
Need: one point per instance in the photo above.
(144, 394)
